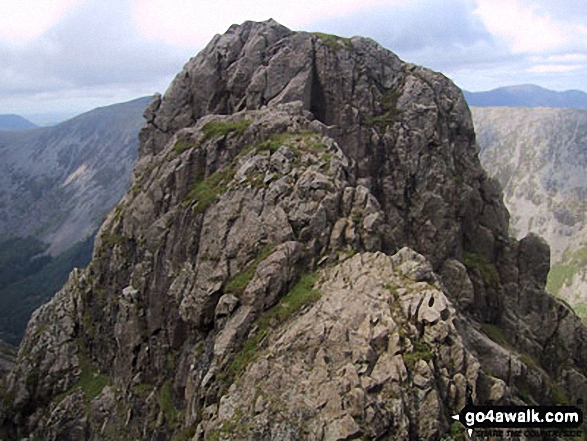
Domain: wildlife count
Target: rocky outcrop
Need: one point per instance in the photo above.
(7, 357)
(378, 355)
(539, 157)
(310, 250)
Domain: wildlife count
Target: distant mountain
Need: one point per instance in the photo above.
(15, 122)
(57, 183)
(56, 186)
(527, 96)
(540, 157)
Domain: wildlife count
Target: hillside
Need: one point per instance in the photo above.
(527, 95)
(540, 157)
(58, 183)
(309, 250)
(15, 122)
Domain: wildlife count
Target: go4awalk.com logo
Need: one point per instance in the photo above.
(521, 420)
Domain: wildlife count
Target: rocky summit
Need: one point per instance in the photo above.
(310, 250)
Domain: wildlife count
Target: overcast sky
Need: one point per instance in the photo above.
(59, 58)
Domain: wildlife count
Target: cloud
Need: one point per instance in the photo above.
(28, 19)
(480, 44)
(527, 27)
(436, 34)
(195, 22)
(553, 68)
(94, 51)
(64, 53)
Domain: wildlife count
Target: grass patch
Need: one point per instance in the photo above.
(495, 333)
(529, 361)
(475, 261)
(239, 282)
(559, 396)
(456, 431)
(90, 382)
(220, 128)
(525, 394)
(165, 401)
(182, 145)
(334, 42)
(581, 311)
(186, 434)
(312, 142)
(559, 276)
(206, 191)
(110, 240)
(389, 110)
(421, 351)
(143, 389)
(393, 290)
(303, 293)
(563, 273)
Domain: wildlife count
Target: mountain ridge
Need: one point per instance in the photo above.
(527, 95)
(15, 122)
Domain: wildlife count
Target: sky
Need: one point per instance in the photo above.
(59, 58)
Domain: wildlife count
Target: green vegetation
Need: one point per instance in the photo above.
(165, 401)
(388, 110)
(559, 396)
(90, 382)
(219, 128)
(581, 310)
(525, 394)
(235, 428)
(21, 257)
(421, 351)
(182, 145)
(312, 142)
(393, 290)
(475, 261)
(303, 293)
(563, 273)
(186, 434)
(29, 286)
(529, 361)
(206, 191)
(456, 431)
(334, 42)
(238, 284)
(143, 389)
(495, 333)
(110, 240)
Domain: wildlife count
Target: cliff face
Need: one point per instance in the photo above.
(310, 250)
(539, 156)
